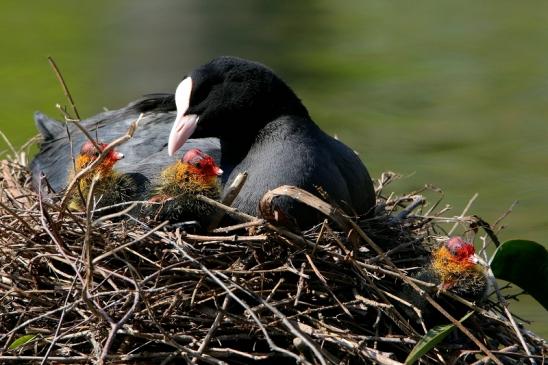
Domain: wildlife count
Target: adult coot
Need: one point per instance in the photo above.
(145, 154)
(265, 129)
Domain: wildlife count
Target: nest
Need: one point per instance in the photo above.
(79, 288)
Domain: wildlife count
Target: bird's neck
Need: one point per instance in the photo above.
(233, 151)
(235, 147)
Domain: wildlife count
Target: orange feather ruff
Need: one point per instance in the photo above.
(454, 267)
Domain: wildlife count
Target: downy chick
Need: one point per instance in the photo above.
(110, 188)
(454, 267)
(196, 173)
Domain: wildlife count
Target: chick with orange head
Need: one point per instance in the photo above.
(196, 173)
(460, 270)
(454, 267)
(110, 187)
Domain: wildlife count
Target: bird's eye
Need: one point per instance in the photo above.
(198, 165)
(96, 154)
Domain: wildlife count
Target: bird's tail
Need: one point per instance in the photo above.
(48, 128)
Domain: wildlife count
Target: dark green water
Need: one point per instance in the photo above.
(454, 95)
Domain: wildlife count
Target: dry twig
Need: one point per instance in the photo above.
(117, 289)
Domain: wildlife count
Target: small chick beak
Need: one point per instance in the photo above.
(218, 171)
(118, 156)
(184, 125)
(475, 259)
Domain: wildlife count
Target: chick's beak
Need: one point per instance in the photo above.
(479, 263)
(184, 124)
(218, 171)
(118, 156)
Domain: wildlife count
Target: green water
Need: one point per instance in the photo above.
(453, 95)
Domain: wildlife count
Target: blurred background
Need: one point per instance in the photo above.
(449, 94)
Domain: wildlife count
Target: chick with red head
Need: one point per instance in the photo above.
(460, 270)
(454, 267)
(196, 173)
(110, 187)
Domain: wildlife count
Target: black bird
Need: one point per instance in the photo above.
(265, 129)
(262, 126)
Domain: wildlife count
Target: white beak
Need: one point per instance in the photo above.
(475, 259)
(184, 125)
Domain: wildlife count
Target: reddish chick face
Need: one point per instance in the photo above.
(89, 153)
(203, 163)
(89, 150)
(460, 249)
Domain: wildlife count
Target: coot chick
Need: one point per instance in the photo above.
(145, 153)
(110, 188)
(454, 267)
(196, 173)
(265, 129)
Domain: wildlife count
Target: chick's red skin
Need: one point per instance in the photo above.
(461, 250)
(89, 153)
(201, 165)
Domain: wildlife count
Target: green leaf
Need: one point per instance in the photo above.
(431, 339)
(524, 263)
(23, 340)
